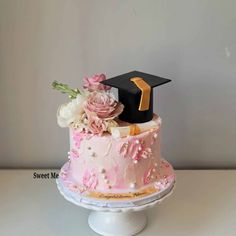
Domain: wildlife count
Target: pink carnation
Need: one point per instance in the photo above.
(93, 83)
(102, 105)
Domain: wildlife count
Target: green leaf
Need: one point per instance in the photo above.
(64, 88)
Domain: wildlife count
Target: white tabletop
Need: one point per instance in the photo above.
(203, 203)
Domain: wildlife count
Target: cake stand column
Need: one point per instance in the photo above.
(117, 223)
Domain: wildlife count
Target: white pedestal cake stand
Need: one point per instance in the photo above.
(126, 218)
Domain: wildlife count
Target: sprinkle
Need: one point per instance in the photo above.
(137, 141)
(154, 170)
(93, 154)
(139, 148)
(135, 161)
(152, 177)
(155, 164)
(155, 135)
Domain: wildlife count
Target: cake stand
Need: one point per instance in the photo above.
(124, 218)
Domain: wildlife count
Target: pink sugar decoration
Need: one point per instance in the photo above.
(76, 188)
(74, 153)
(147, 176)
(63, 175)
(90, 179)
(78, 138)
(132, 149)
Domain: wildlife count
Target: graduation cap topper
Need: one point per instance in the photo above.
(135, 91)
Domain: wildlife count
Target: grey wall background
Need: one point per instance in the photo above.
(192, 42)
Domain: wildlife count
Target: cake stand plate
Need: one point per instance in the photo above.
(124, 218)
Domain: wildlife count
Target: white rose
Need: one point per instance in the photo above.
(71, 111)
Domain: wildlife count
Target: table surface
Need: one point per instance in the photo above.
(203, 203)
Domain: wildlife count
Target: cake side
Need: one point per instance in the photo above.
(113, 164)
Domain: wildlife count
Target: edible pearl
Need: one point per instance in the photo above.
(154, 170)
(135, 161)
(155, 135)
(139, 148)
(132, 185)
(155, 164)
(152, 177)
(137, 141)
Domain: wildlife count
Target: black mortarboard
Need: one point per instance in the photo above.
(135, 90)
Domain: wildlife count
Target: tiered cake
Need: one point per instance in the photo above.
(114, 146)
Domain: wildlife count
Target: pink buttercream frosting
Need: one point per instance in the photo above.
(108, 164)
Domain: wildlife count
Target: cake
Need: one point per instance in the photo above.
(114, 145)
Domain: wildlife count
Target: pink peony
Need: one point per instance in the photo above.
(102, 105)
(93, 83)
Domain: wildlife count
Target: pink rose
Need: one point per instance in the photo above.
(96, 125)
(93, 83)
(102, 105)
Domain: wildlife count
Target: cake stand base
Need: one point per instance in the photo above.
(117, 223)
(121, 217)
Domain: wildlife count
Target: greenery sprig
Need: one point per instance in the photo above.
(64, 88)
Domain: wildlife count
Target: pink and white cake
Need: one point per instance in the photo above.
(109, 159)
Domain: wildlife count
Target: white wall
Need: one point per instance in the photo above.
(192, 42)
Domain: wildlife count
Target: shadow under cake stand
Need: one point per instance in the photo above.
(120, 217)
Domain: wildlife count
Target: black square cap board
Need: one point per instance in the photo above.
(135, 91)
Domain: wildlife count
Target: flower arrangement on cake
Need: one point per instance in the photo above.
(92, 109)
